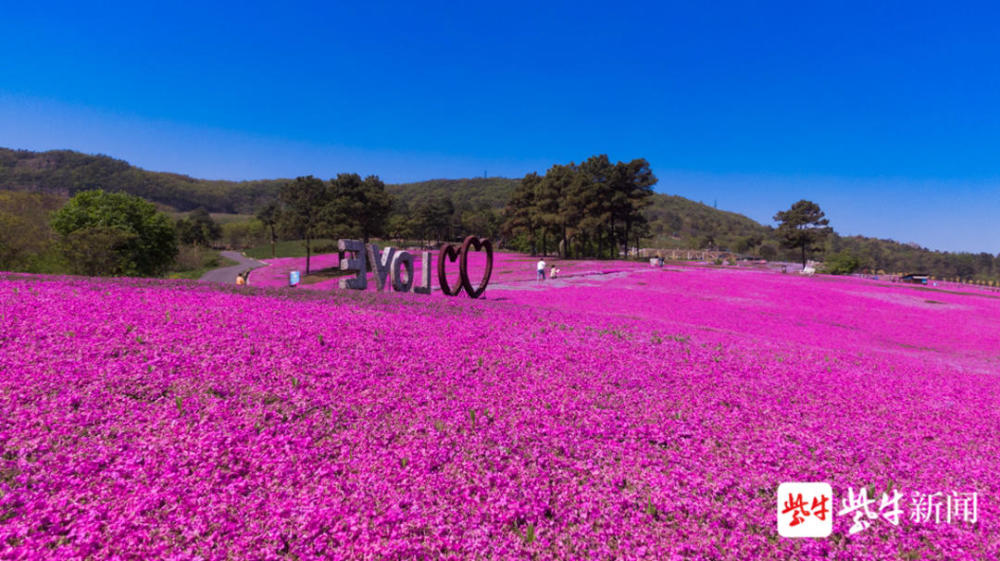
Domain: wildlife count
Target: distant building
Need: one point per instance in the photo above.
(915, 278)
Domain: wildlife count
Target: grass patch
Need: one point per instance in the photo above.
(325, 274)
(220, 218)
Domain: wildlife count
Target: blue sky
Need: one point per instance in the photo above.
(886, 115)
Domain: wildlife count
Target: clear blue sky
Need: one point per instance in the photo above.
(886, 114)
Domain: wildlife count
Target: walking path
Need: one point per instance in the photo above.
(227, 275)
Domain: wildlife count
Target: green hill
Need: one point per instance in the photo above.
(676, 221)
(475, 193)
(66, 172)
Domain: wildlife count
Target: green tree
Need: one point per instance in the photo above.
(244, 234)
(399, 226)
(520, 214)
(96, 250)
(25, 233)
(746, 244)
(768, 251)
(434, 217)
(841, 263)
(632, 188)
(551, 202)
(304, 203)
(802, 226)
(198, 228)
(268, 216)
(964, 265)
(589, 208)
(115, 234)
(596, 203)
(359, 207)
(482, 222)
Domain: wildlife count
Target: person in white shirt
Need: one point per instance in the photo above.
(541, 269)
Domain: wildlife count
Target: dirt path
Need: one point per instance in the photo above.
(227, 275)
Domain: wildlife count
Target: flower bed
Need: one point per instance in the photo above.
(645, 413)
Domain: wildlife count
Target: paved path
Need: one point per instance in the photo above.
(227, 275)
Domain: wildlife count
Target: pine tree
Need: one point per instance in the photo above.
(803, 226)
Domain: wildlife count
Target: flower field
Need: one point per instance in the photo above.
(619, 412)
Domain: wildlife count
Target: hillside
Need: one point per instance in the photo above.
(675, 220)
(474, 193)
(66, 172)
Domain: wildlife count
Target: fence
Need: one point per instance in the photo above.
(687, 254)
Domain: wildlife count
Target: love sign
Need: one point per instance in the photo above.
(388, 267)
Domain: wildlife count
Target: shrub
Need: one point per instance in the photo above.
(115, 234)
(842, 263)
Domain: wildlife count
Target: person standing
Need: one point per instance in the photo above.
(541, 269)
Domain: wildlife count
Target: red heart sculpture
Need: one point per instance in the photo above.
(448, 253)
(478, 244)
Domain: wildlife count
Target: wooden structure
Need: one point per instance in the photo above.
(915, 278)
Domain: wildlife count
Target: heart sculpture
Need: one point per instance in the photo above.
(449, 253)
(478, 244)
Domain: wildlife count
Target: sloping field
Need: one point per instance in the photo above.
(621, 412)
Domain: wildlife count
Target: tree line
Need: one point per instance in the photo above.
(309, 208)
(590, 209)
(101, 233)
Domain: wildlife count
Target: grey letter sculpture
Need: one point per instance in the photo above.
(425, 267)
(357, 263)
(402, 260)
(380, 266)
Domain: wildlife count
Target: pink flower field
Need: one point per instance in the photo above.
(619, 412)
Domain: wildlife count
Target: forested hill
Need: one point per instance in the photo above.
(67, 172)
(682, 221)
(476, 193)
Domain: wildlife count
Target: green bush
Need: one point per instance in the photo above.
(115, 234)
(842, 263)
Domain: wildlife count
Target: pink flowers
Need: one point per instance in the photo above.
(617, 412)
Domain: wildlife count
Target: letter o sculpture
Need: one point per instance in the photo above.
(400, 261)
(449, 253)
